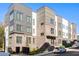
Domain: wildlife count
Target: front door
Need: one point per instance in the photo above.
(25, 50)
(17, 49)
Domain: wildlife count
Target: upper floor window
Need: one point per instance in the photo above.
(60, 25)
(18, 27)
(33, 30)
(19, 15)
(51, 21)
(52, 30)
(28, 19)
(59, 33)
(28, 40)
(11, 15)
(11, 28)
(33, 21)
(19, 39)
(29, 30)
(64, 26)
(33, 40)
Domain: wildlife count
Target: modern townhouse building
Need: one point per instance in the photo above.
(53, 28)
(25, 29)
(19, 23)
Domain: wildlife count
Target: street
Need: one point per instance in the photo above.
(69, 53)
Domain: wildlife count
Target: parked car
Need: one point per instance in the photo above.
(59, 50)
(5, 54)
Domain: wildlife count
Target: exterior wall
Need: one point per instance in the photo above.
(65, 28)
(59, 37)
(13, 44)
(26, 12)
(73, 31)
(69, 31)
(40, 28)
(34, 24)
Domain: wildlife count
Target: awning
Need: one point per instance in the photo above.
(51, 37)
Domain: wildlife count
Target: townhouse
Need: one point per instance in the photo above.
(27, 30)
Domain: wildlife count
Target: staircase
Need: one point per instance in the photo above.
(44, 47)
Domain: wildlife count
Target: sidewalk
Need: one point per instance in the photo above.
(76, 50)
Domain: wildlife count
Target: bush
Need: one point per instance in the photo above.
(10, 50)
(67, 44)
(34, 52)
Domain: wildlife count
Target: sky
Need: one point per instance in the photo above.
(69, 11)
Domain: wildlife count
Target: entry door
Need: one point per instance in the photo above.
(17, 49)
(52, 41)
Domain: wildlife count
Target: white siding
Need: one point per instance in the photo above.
(34, 23)
(56, 25)
(65, 28)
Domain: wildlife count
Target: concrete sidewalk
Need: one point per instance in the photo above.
(74, 50)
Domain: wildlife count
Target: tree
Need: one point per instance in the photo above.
(1, 37)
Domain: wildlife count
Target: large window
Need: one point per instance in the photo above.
(28, 19)
(51, 21)
(52, 30)
(18, 39)
(29, 30)
(64, 26)
(11, 28)
(59, 33)
(10, 40)
(19, 16)
(12, 15)
(33, 30)
(18, 27)
(33, 21)
(28, 40)
(33, 40)
(60, 25)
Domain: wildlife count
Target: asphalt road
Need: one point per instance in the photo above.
(69, 53)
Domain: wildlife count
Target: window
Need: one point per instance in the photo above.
(10, 40)
(42, 34)
(28, 19)
(11, 28)
(28, 30)
(19, 15)
(12, 15)
(33, 30)
(64, 26)
(59, 33)
(18, 27)
(52, 41)
(33, 40)
(51, 21)
(33, 21)
(18, 39)
(52, 30)
(60, 25)
(28, 40)
(69, 35)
